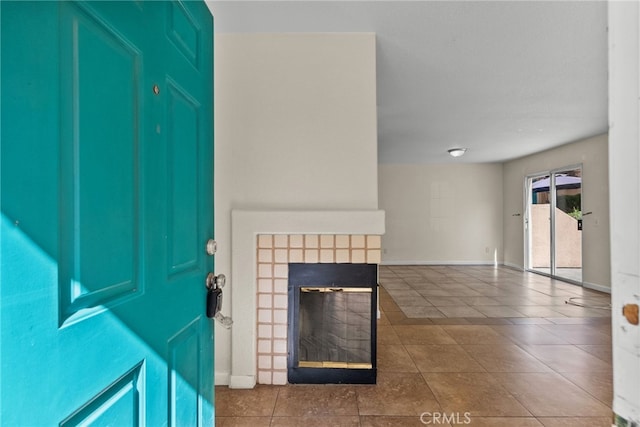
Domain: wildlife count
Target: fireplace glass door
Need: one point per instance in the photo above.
(335, 328)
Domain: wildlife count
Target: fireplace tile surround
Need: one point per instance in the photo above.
(263, 242)
(274, 253)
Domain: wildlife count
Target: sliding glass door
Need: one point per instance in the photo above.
(553, 223)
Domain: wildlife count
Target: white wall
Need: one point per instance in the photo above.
(295, 129)
(439, 213)
(624, 162)
(592, 154)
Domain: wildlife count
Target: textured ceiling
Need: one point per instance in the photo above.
(503, 79)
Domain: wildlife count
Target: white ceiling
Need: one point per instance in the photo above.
(504, 78)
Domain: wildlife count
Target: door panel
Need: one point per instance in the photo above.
(182, 135)
(567, 225)
(539, 224)
(107, 205)
(121, 403)
(100, 163)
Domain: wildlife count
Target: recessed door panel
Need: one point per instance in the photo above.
(100, 164)
(184, 32)
(184, 368)
(183, 140)
(120, 404)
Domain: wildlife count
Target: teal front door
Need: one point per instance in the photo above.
(107, 207)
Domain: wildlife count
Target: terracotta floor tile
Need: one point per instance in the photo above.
(501, 422)
(460, 311)
(573, 311)
(397, 294)
(316, 401)
(604, 327)
(578, 320)
(243, 421)
(473, 301)
(388, 304)
(566, 358)
(395, 317)
(401, 394)
(387, 335)
(597, 384)
(530, 321)
(436, 293)
(444, 301)
(499, 311)
(383, 320)
(551, 395)
(256, 402)
(409, 301)
(475, 334)
(424, 285)
(386, 421)
(422, 334)
(602, 352)
(316, 421)
(514, 300)
(422, 311)
(443, 358)
(536, 310)
(451, 321)
(579, 334)
(576, 422)
(504, 358)
(394, 284)
(417, 321)
(528, 334)
(394, 358)
(479, 394)
(489, 321)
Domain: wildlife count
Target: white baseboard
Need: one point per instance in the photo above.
(597, 287)
(514, 266)
(222, 378)
(242, 381)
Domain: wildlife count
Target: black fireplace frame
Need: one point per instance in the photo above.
(330, 275)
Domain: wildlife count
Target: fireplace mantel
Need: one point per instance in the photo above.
(245, 227)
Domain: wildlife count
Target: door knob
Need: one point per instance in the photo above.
(212, 247)
(215, 282)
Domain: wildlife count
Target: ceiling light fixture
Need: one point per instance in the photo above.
(457, 152)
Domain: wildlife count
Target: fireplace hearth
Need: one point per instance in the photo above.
(332, 323)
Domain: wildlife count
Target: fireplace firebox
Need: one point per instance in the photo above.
(332, 323)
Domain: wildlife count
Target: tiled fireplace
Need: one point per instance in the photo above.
(274, 253)
(263, 245)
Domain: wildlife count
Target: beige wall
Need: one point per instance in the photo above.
(592, 154)
(295, 129)
(442, 213)
(299, 114)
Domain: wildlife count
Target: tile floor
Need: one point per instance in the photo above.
(531, 365)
